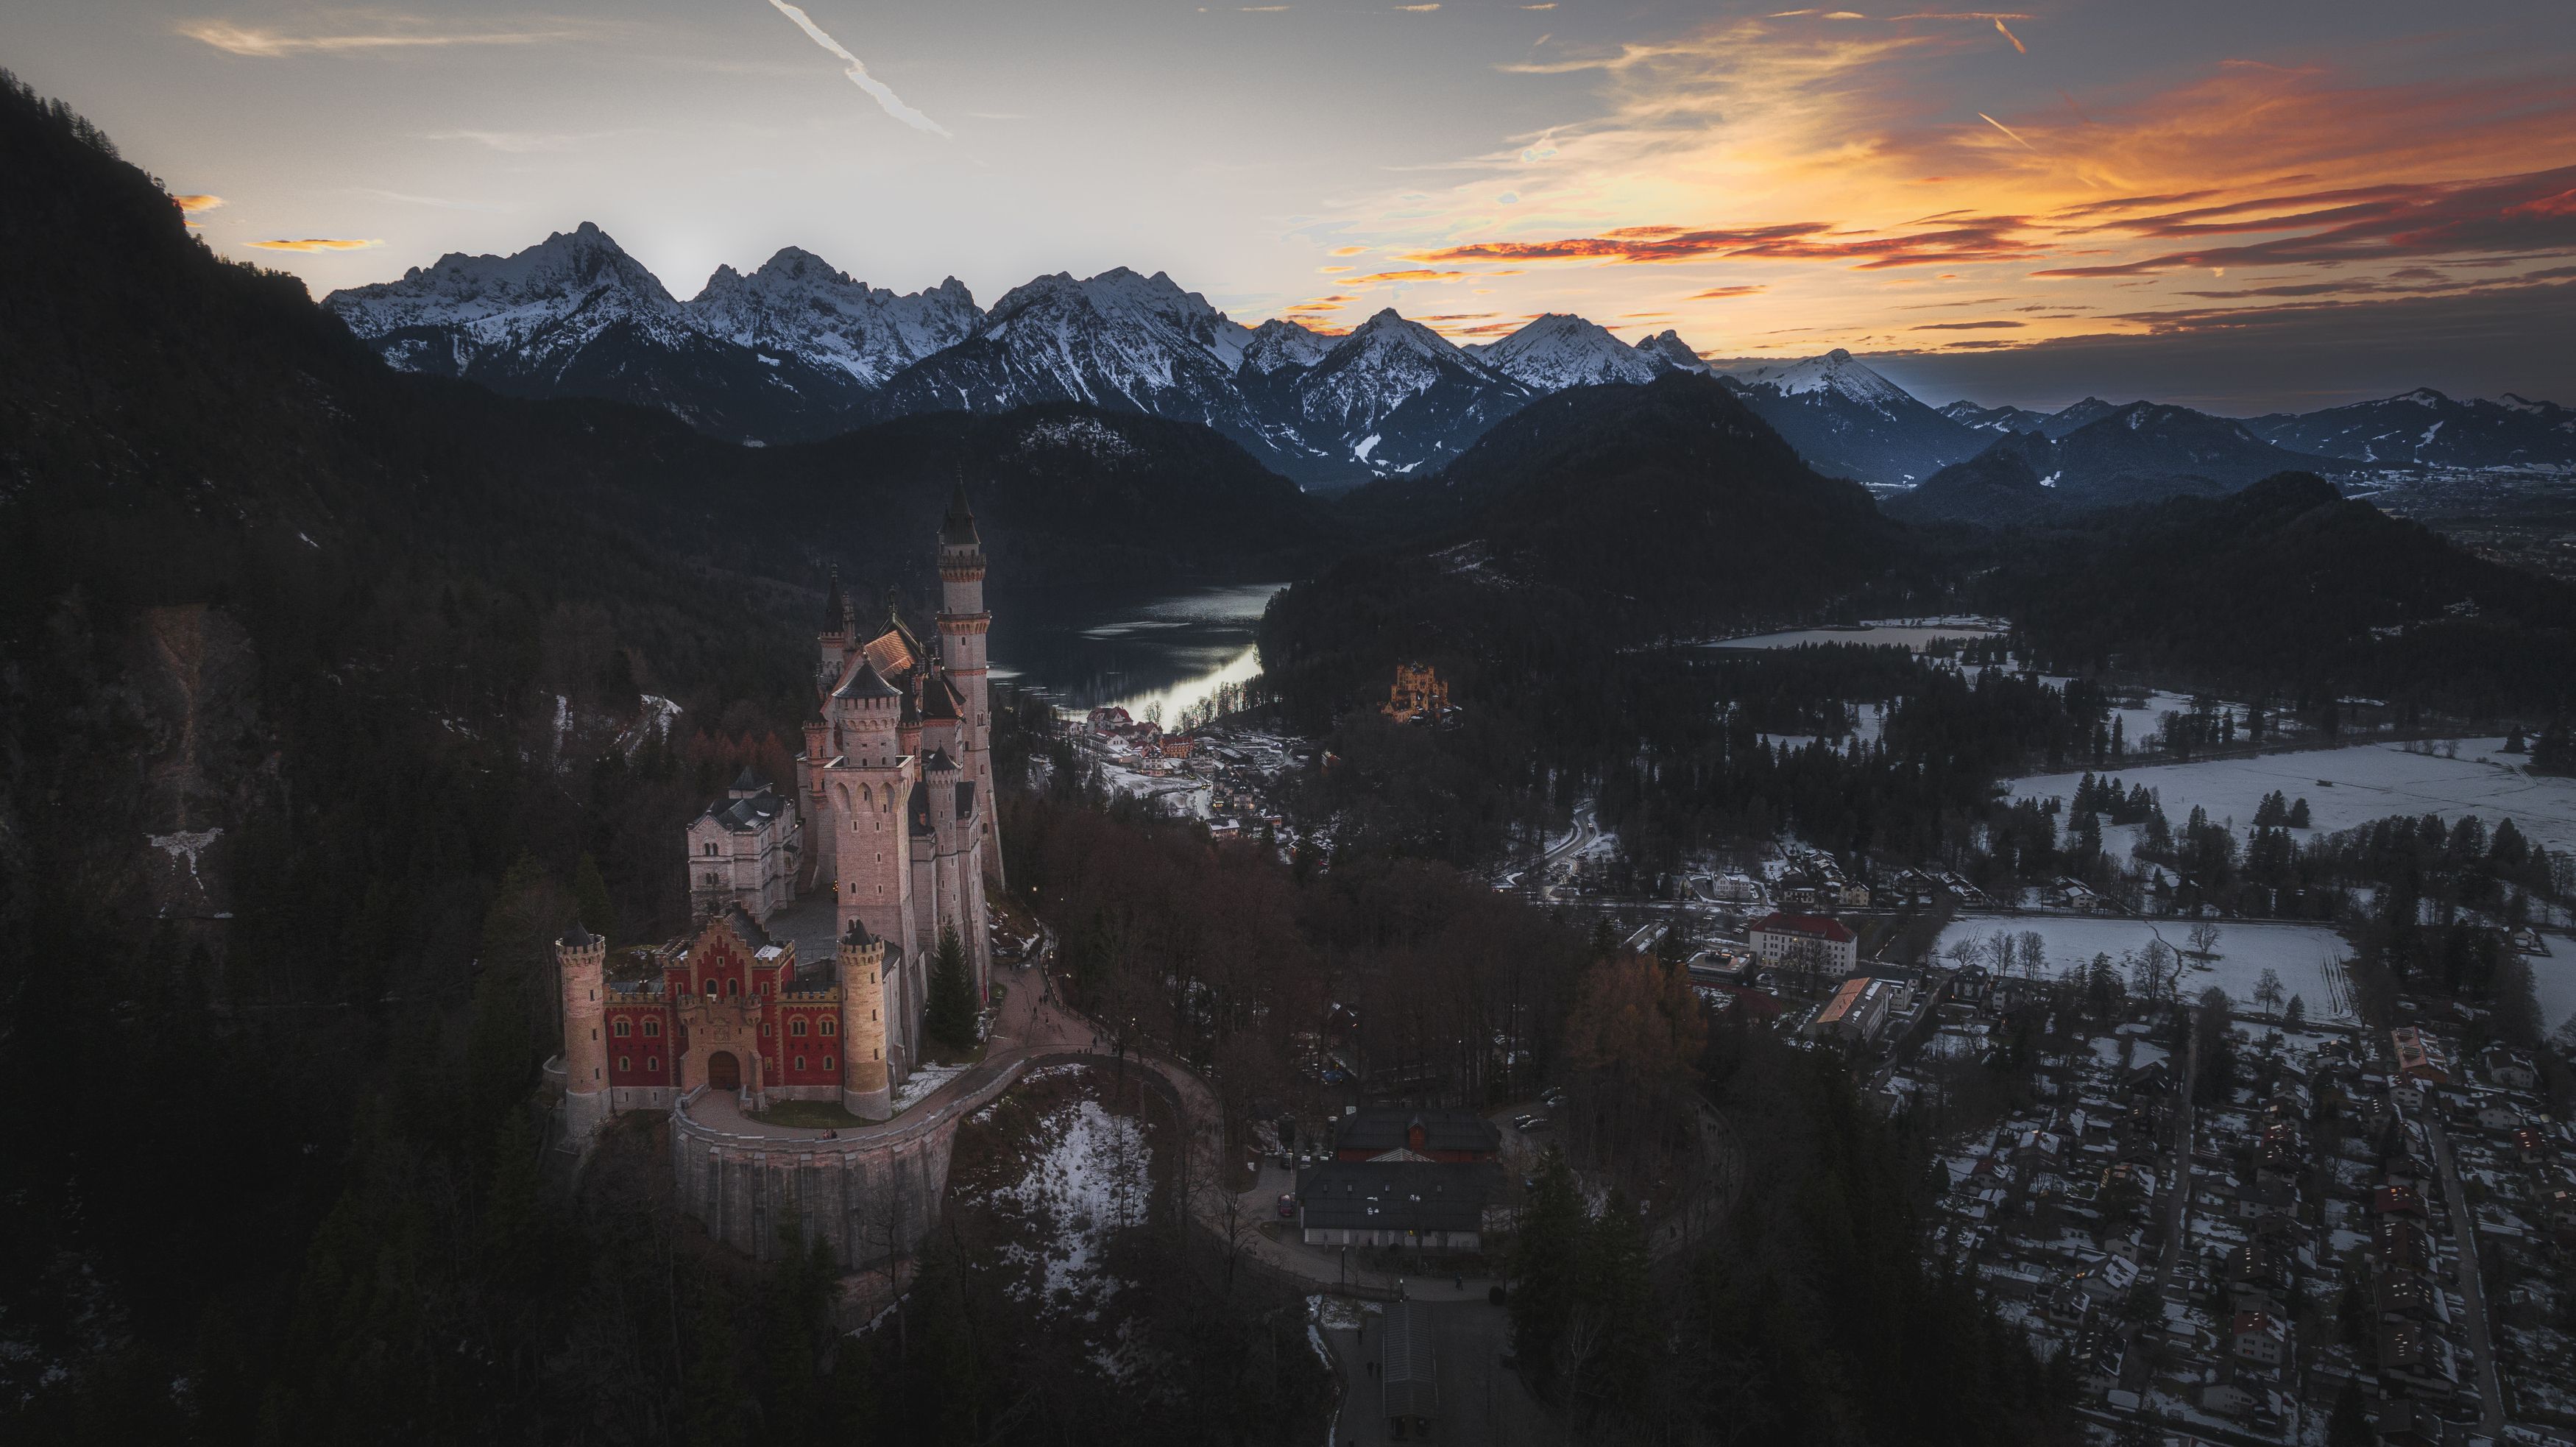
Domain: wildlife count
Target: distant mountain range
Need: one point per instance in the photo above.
(2138, 453)
(798, 350)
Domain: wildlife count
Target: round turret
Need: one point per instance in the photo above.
(582, 959)
(862, 965)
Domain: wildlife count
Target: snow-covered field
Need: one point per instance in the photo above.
(1088, 1181)
(1917, 636)
(2553, 980)
(2308, 958)
(2354, 785)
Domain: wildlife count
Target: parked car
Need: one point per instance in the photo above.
(1522, 1122)
(1536, 1123)
(1287, 1205)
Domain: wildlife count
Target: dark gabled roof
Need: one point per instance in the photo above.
(1813, 925)
(866, 682)
(750, 781)
(938, 762)
(857, 933)
(957, 530)
(1388, 1127)
(1398, 1195)
(940, 698)
(746, 815)
(578, 938)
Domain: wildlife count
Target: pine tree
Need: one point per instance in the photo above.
(949, 1015)
(2349, 1426)
(1618, 1295)
(1545, 1265)
(590, 896)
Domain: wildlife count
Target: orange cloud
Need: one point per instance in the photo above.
(269, 44)
(318, 243)
(194, 204)
(1721, 293)
(1349, 250)
(1416, 274)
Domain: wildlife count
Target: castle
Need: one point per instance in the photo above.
(892, 815)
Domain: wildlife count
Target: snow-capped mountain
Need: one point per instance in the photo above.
(798, 305)
(758, 357)
(2136, 453)
(1395, 397)
(1668, 348)
(2424, 428)
(2076, 415)
(1277, 343)
(1558, 351)
(1849, 421)
(1994, 419)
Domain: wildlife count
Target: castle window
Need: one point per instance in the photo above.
(764, 1032)
(800, 1062)
(828, 1025)
(827, 1062)
(711, 849)
(652, 1063)
(796, 1027)
(652, 1028)
(621, 1065)
(733, 987)
(624, 1029)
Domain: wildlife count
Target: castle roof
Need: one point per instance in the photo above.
(857, 933)
(957, 530)
(938, 762)
(940, 698)
(836, 610)
(578, 938)
(865, 682)
(746, 814)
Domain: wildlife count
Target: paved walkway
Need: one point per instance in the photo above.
(2472, 1288)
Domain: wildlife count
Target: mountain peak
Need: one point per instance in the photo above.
(1668, 349)
(1559, 350)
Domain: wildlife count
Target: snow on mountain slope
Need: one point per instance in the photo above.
(543, 304)
(1279, 343)
(1407, 395)
(1669, 350)
(798, 305)
(1848, 421)
(1558, 351)
(1993, 419)
(2424, 428)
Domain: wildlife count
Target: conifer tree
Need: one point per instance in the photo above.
(590, 896)
(1546, 1263)
(949, 1015)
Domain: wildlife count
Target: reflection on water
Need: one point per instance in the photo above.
(1172, 650)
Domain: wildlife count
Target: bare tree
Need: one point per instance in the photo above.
(2267, 991)
(2204, 939)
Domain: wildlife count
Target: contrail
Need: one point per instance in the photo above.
(2008, 35)
(858, 74)
(1981, 115)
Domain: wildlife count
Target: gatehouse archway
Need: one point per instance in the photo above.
(724, 1072)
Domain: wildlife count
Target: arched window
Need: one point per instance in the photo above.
(652, 1063)
(796, 1027)
(800, 1062)
(623, 1030)
(830, 1026)
(621, 1065)
(733, 987)
(764, 1030)
(652, 1028)
(827, 1062)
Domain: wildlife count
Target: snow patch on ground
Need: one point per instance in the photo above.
(2308, 958)
(924, 1079)
(1090, 1181)
(2368, 781)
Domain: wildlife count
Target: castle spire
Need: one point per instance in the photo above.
(836, 610)
(957, 530)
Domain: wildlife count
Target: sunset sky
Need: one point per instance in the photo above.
(2241, 206)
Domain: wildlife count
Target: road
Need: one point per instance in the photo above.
(2472, 1289)
(1481, 1400)
(2176, 1228)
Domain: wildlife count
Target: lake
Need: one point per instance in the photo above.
(1170, 650)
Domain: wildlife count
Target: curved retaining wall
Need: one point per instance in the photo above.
(872, 1194)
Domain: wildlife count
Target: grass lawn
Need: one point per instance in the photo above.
(808, 1115)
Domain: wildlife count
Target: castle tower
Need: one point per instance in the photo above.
(833, 642)
(864, 1090)
(582, 959)
(963, 624)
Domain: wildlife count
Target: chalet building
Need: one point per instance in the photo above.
(1405, 1133)
(2416, 1059)
(1806, 942)
(1419, 1205)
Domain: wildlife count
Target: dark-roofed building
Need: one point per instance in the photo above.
(1397, 1132)
(1409, 1378)
(744, 850)
(1422, 1205)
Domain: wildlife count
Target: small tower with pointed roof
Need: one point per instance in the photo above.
(963, 626)
(865, 1082)
(581, 958)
